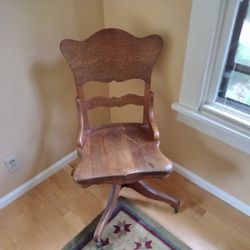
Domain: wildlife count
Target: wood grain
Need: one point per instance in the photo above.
(143, 188)
(52, 213)
(151, 119)
(100, 101)
(120, 154)
(125, 152)
(110, 206)
(112, 54)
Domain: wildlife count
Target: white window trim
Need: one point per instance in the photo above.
(209, 35)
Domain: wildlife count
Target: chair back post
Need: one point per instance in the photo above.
(146, 103)
(81, 107)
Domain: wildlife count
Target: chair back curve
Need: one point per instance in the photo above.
(111, 55)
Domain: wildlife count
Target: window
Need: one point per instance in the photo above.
(215, 91)
(234, 89)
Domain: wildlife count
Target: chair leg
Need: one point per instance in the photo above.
(113, 196)
(143, 188)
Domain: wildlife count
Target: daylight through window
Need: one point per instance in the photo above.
(235, 85)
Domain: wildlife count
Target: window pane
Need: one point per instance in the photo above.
(243, 50)
(238, 87)
(235, 84)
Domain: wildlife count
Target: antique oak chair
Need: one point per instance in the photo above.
(121, 154)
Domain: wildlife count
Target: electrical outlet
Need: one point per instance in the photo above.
(11, 163)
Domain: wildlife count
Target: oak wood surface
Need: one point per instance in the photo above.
(112, 55)
(119, 155)
(114, 101)
(52, 213)
(110, 206)
(124, 153)
(143, 188)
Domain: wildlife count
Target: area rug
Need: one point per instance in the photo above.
(128, 229)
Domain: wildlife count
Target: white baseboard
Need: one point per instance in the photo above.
(231, 200)
(13, 195)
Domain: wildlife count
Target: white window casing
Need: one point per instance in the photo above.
(210, 30)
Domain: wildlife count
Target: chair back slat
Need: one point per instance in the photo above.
(100, 101)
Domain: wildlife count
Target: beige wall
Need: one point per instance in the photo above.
(214, 161)
(38, 118)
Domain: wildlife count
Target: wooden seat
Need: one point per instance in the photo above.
(124, 154)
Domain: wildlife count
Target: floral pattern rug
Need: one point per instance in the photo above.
(128, 229)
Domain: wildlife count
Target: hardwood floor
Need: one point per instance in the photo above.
(49, 215)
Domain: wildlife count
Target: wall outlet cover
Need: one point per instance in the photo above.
(11, 163)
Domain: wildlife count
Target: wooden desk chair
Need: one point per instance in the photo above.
(123, 154)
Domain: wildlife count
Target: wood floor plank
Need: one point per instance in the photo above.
(49, 215)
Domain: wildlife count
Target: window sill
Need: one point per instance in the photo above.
(215, 125)
(236, 118)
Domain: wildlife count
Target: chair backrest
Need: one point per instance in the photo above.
(112, 55)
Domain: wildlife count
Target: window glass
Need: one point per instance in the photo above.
(235, 85)
(238, 88)
(243, 50)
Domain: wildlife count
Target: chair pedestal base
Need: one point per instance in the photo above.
(113, 196)
(141, 187)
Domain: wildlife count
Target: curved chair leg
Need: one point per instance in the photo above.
(143, 188)
(113, 196)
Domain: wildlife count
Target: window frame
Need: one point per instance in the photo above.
(210, 31)
(231, 65)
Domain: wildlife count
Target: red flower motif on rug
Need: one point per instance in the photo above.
(121, 228)
(105, 245)
(143, 244)
(105, 242)
(128, 229)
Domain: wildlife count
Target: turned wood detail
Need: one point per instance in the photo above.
(113, 196)
(81, 123)
(151, 120)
